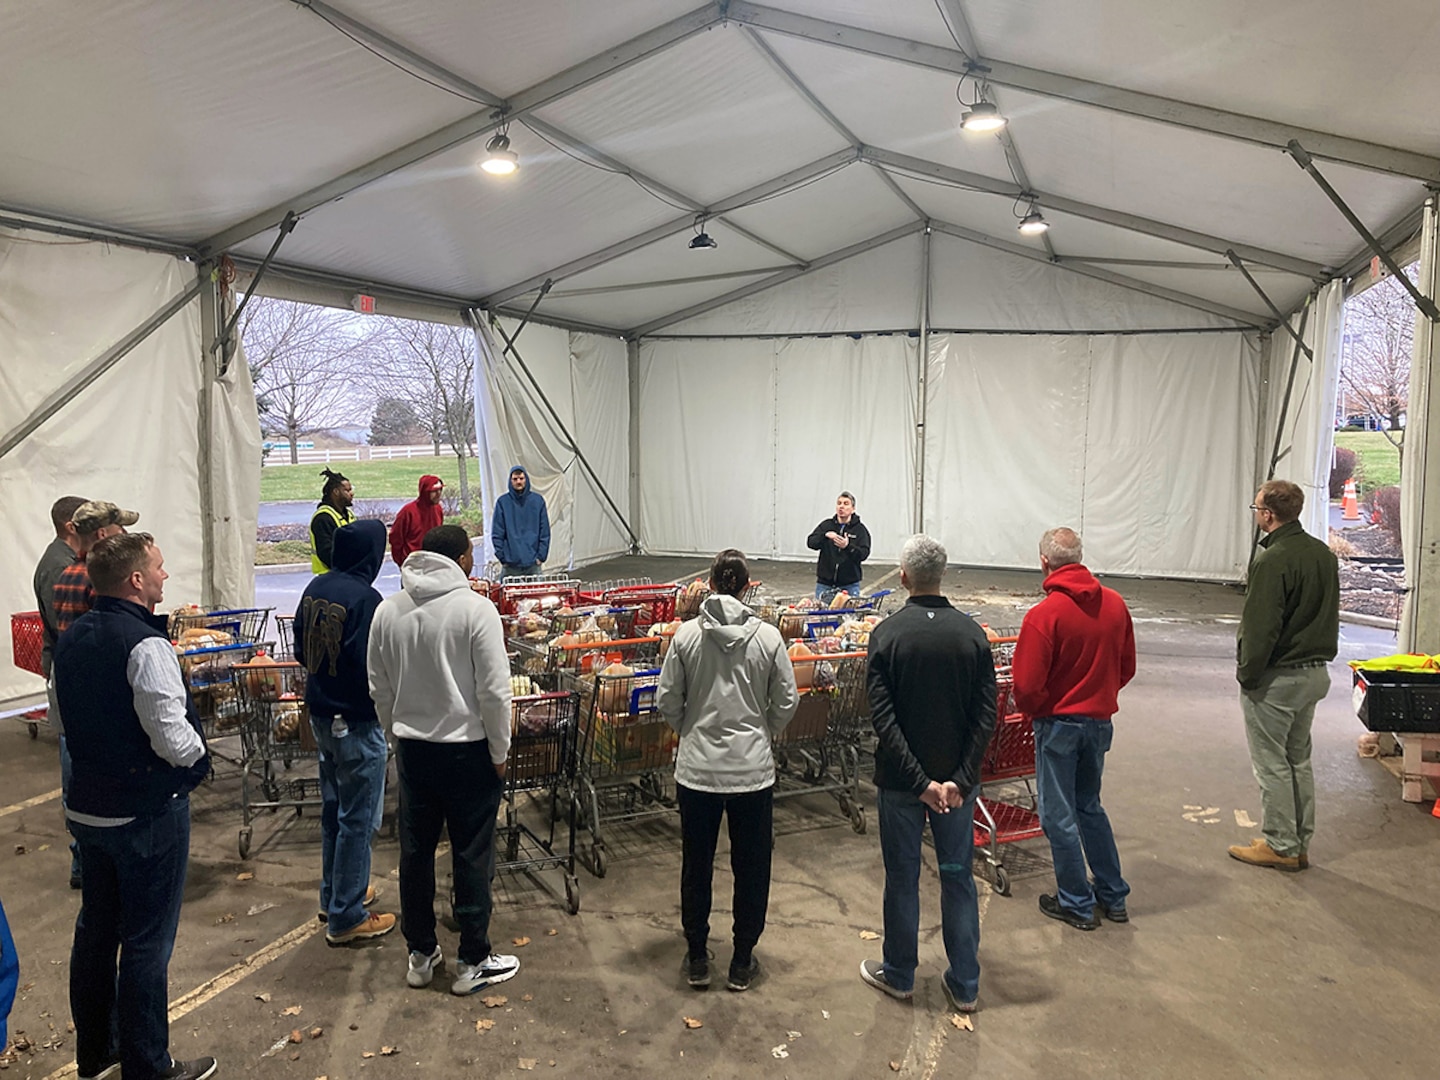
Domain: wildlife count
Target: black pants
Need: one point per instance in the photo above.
(450, 785)
(750, 819)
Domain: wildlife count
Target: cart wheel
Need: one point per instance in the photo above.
(857, 818)
(245, 837)
(34, 730)
(1002, 881)
(597, 860)
(572, 894)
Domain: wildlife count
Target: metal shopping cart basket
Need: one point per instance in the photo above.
(819, 749)
(209, 673)
(280, 766)
(27, 639)
(544, 734)
(1007, 810)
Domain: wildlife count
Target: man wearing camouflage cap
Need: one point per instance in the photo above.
(93, 521)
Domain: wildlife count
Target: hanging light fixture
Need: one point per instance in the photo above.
(499, 159)
(982, 117)
(702, 240)
(1033, 223)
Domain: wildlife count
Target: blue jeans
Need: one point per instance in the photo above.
(508, 571)
(902, 825)
(827, 592)
(352, 781)
(451, 786)
(1069, 761)
(130, 906)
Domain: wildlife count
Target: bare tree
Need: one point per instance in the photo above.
(303, 359)
(432, 368)
(1375, 363)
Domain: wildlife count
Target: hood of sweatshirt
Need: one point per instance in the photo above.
(427, 574)
(427, 482)
(1077, 583)
(359, 549)
(518, 496)
(727, 621)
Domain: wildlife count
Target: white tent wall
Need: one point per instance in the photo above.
(132, 436)
(584, 378)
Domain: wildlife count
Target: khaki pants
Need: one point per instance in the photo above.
(1278, 714)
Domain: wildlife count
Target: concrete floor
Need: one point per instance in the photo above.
(1224, 971)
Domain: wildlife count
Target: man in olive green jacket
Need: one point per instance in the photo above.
(1289, 631)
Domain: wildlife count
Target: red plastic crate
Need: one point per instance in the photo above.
(27, 639)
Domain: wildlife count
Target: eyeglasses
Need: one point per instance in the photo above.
(1254, 506)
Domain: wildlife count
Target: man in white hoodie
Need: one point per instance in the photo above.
(441, 683)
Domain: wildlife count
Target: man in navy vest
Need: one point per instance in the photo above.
(137, 752)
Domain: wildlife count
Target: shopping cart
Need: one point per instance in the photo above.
(27, 639)
(544, 594)
(1010, 813)
(656, 603)
(541, 764)
(284, 637)
(276, 736)
(210, 677)
(818, 752)
(240, 625)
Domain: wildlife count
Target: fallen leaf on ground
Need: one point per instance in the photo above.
(244, 875)
(292, 1010)
(493, 1001)
(962, 1022)
(389, 1051)
(280, 1044)
(264, 995)
(825, 1013)
(780, 1051)
(527, 997)
(894, 1066)
(693, 1022)
(19, 849)
(792, 1035)
(484, 1025)
(258, 908)
(354, 1027)
(316, 1032)
(521, 942)
(551, 933)
(367, 1053)
(322, 1078)
(295, 1056)
(869, 935)
(43, 847)
(528, 1063)
(229, 916)
(297, 1036)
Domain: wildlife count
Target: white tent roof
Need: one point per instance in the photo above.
(801, 128)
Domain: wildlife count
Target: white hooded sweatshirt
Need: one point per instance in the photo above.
(728, 687)
(438, 669)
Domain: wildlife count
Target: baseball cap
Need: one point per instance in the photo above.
(92, 516)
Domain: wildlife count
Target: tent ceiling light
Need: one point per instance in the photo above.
(702, 241)
(500, 160)
(983, 116)
(1033, 224)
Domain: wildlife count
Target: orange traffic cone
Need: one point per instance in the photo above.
(1435, 810)
(1350, 505)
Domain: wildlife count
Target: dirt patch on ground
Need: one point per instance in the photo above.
(1369, 588)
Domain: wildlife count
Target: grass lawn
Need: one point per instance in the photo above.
(372, 479)
(282, 553)
(1377, 463)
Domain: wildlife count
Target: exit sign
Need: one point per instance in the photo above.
(363, 303)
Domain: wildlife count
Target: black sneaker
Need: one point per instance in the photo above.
(199, 1069)
(1114, 914)
(742, 975)
(872, 973)
(1050, 905)
(697, 971)
(108, 1071)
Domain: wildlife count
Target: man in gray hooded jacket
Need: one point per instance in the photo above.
(728, 687)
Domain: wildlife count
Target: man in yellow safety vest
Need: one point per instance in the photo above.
(333, 512)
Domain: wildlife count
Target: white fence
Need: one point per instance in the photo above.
(281, 455)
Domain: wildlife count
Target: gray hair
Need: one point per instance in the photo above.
(923, 560)
(1061, 546)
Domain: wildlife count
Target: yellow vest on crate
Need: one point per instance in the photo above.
(316, 565)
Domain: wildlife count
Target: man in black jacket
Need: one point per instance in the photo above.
(136, 753)
(843, 544)
(332, 634)
(932, 700)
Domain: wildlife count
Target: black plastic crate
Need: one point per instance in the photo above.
(1405, 701)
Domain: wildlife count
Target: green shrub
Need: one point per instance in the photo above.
(1386, 502)
(1341, 471)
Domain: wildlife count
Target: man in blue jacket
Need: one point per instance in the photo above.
(520, 527)
(332, 634)
(136, 753)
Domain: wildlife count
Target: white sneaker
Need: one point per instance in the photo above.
(422, 968)
(495, 968)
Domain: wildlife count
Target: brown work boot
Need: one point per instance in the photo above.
(375, 925)
(1259, 853)
(371, 895)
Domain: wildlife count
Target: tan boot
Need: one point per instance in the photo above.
(1259, 853)
(375, 925)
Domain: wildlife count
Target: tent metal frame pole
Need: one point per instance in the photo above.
(571, 444)
(78, 382)
(922, 380)
(223, 339)
(632, 372)
(1275, 454)
(1203, 118)
(1280, 319)
(1303, 159)
(73, 230)
(1420, 619)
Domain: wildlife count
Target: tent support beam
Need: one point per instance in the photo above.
(1303, 159)
(77, 383)
(14, 218)
(1275, 454)
(632, 372)
(1244, 318)
(473, 126)
(570, 442)
(1160, 264)
(1280, 319)
(778, 279)
(1145, 226)
(1419, 499)
(829, 163)
(922, 380)
(1203, 118)
(225, 338)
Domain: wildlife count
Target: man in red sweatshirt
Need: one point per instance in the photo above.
(416, 518)
(1076, 650)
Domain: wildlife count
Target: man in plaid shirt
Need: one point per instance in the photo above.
(93, 521)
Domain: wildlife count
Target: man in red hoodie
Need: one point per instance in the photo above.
(416, 518)
(1076, 650)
